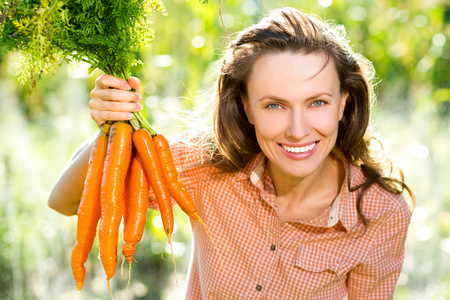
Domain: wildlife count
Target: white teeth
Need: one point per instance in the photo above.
(299, 149)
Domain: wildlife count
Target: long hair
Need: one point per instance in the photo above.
(290, 30)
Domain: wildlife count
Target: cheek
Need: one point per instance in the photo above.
(268, 126)
(330, 126)
(326, 124)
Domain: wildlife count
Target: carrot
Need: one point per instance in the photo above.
(125, 208)
(176, 187)
(112, 191)
(145, 147)
(137, 208)
(89, 209)
(171, 179)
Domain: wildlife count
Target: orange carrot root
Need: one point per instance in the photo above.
(89, 209)
(176, 187)
(112, 192)
(137, 207)
(171, 180)
(151, 165)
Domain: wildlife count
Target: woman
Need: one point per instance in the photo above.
(286, 179)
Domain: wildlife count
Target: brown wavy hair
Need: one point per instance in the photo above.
(291, 30)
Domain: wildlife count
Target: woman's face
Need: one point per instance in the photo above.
(295, 103)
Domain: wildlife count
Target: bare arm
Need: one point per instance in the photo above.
(110, 101)
(66, 194)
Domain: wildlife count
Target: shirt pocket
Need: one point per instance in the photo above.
(325, 268)
(315, 258)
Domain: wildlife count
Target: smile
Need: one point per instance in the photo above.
(299, 149)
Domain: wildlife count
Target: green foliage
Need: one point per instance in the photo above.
(105, 34)
(31, 29)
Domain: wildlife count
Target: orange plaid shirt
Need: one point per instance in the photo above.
(326, 257)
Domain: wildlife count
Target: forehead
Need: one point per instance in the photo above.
(294, 72)
(308, 65)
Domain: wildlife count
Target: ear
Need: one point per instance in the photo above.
(344, 97)
(246, 109)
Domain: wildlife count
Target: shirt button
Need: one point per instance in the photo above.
(273, 247)
(258, 287)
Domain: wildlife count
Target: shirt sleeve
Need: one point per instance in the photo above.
(377, 276)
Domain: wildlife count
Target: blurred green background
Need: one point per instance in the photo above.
(408, 42)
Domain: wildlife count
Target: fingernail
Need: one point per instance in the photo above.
(127, 87)
(138, 95)
(130, 116)
(140, 107)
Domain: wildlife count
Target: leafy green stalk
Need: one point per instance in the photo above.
(105, 34)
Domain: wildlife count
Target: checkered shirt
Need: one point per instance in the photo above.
(259, 257)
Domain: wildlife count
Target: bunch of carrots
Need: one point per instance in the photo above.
(125, 162)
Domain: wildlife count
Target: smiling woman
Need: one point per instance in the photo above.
(285, 179)
(295, 105)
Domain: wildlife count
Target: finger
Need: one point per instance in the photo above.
(115, 95)
(101, 117)
(106, 81)
(135, 84)
(114, 106)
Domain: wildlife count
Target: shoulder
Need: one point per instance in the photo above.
(190, 148)
(377, 201)
(383, 200)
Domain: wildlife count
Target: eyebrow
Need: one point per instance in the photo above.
(317, 95)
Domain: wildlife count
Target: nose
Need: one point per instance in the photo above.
(298, 125)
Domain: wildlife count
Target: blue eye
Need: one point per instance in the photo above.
(273, 106)
(318, 103)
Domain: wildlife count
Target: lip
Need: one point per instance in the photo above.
(297, 152)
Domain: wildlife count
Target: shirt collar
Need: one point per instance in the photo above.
(254, 169)
(348, 214)
(344, 207)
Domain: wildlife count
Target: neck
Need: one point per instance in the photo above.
(327, 180)
(304, 198)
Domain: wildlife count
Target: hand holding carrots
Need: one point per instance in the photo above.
(150, 165)
(113, 100)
